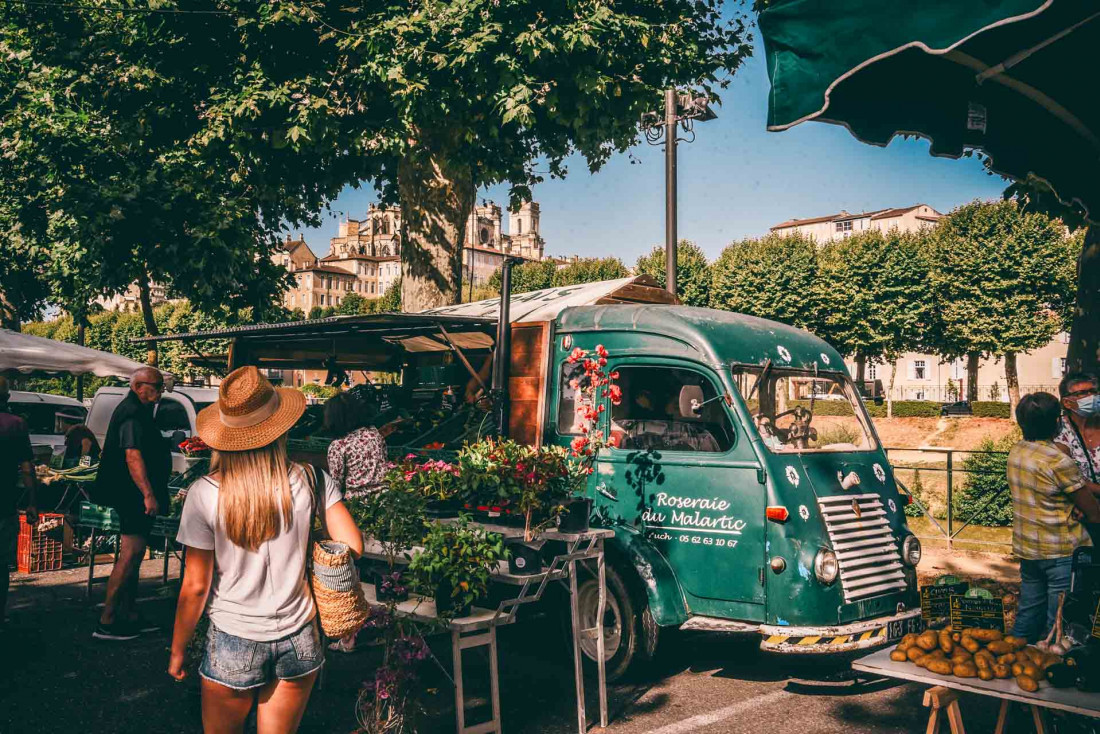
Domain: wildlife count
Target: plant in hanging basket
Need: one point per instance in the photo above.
(455, 564)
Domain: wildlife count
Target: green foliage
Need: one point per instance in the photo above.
(984, 498)
(870, 294)
(917, 490)
(390, 302)
(991, 410)
(319, 391)
(1001, 280)
(459, 556)
(530, 276)
(902, 408)
(352, 304)
(128, 326)
(590, 270)
(693, 273)
(394, 516)
(773, 277)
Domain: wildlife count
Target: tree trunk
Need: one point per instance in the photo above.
(861, 370)
(9, 316)
(890, 390)
(972, 376)
(1012, 377)
(1084, 337)
(436, 199)
(148, 318)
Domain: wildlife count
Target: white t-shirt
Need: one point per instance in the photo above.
(259, 595)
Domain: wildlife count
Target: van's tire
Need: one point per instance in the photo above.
(630, 632)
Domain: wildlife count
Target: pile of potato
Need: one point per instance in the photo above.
(976, 653)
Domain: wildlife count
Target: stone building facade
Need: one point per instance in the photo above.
(364, 256)
(844, 224)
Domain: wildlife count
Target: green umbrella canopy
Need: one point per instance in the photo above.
(1015, 79)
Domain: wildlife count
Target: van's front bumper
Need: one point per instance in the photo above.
(856, 636)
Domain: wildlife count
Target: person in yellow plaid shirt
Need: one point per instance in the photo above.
(1046, 486)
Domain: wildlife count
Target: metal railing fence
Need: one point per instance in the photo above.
(951, 469)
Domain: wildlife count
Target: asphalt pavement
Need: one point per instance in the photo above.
(55, 678)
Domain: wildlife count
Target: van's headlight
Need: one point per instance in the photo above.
(910, 551)
(825, 566)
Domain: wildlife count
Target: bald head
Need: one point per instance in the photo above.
(147, 383)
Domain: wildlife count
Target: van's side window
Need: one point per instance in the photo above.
(568, 417)
(171, 416)
(670, 409)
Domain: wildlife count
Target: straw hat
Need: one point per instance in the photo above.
(250, 413)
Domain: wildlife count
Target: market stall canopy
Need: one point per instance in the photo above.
(1013, 79)
(376, 341)
(546, 304)
(28, 354)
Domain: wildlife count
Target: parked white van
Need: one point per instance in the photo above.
(48, 418)
(175, 415)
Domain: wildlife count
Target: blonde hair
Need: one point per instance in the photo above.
(254, 500)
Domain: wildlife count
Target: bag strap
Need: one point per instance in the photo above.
(316, 490)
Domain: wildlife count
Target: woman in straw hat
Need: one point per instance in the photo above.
(247, 531)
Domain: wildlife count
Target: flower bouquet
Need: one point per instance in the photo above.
(194, 447)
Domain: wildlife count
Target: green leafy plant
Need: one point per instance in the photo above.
(459, 558)
(394, 516)
(984, 498)
(433, 479)
(917, 490)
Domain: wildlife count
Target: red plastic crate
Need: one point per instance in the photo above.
(40, 550)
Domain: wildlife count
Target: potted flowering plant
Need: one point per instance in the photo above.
(488, 477)
(436, 480)
(388, 701)
(193, 447)
(395, 517)
(455, 565)
(594, 384)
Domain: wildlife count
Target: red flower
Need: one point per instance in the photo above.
(614, 375)
(602, 362)
(579, 444)
(575, 356)
(601, 351)
(616, 394)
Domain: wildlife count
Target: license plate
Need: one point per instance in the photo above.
(898, 628)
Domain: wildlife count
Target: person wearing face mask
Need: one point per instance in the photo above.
(1079, 428)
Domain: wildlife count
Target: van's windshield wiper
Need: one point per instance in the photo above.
(763, 376)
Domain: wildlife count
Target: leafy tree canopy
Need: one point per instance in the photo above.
(774, 277)
(692, 272)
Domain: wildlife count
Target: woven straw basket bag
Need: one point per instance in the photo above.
(341, 606)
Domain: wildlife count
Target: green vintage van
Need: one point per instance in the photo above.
(749, 492)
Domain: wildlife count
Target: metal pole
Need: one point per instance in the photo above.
(578, 669)
(80, 378)
(671, 110)
(950, 487)
(503, 350)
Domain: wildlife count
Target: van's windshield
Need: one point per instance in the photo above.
(796, 410)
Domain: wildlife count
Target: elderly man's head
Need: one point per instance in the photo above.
(148, 384)
(1078, 393)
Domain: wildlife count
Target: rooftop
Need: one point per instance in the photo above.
(843, 215)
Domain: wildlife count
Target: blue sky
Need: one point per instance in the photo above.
(736, 180)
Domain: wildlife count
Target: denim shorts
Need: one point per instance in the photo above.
(241, 664)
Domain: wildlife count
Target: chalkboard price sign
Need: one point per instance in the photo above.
(935, 601)
(976, 612)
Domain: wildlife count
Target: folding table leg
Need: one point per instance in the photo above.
(578, 670)
(1040, 718)
(601, 664)
(91, 565)
(1002, 718)
(164, 574)
(460, 696)
(494, 677)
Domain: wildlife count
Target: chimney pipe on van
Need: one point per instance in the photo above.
(503, 350)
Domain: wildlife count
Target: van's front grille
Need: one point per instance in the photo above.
(866, 550)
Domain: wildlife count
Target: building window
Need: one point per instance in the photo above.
(1058, 367)
(519, 226)
(844, 226)
(918, 369)
(872, 371)
(372, 288)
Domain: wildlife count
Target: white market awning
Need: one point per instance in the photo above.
(545, 305)
(28, 354)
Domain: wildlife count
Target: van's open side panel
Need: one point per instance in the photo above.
(527, 381)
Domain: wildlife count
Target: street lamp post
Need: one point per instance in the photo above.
(682, 110)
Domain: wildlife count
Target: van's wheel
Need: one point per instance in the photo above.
(630, 632)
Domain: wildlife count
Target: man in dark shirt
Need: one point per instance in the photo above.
(16, 458)
(133, 478)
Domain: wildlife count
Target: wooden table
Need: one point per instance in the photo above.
(578, 547)
(1047, 697)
